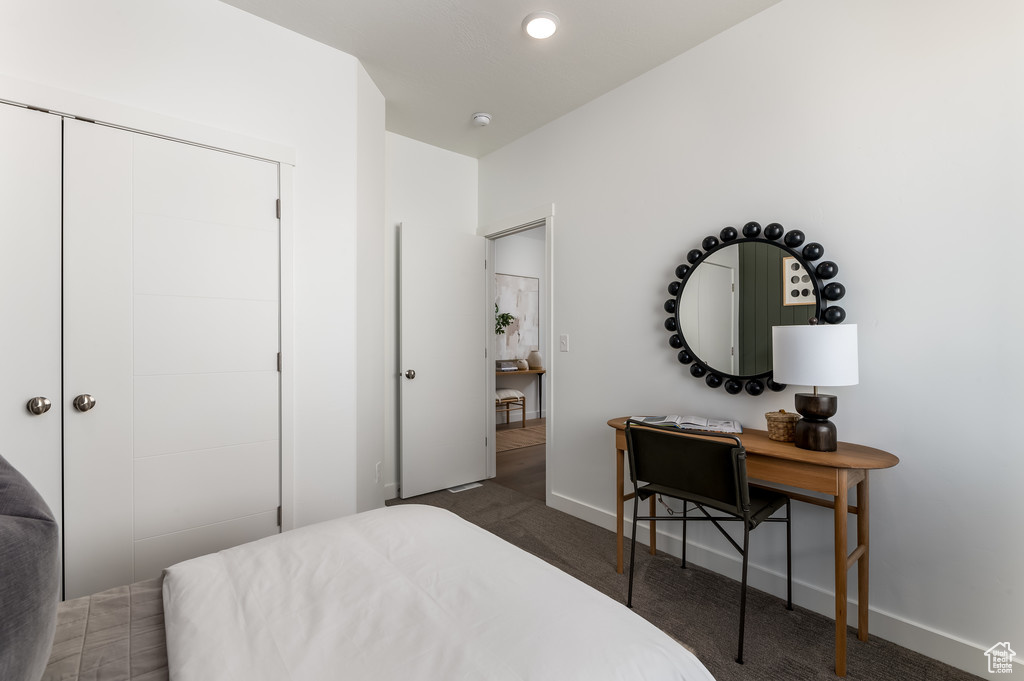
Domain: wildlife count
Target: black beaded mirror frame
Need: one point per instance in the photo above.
(792, 242)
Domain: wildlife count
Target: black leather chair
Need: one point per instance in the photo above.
(709, 471)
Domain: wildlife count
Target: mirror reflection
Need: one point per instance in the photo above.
(734, 297)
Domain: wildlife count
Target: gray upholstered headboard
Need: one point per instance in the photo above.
(29, 577)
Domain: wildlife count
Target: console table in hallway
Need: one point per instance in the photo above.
(832, 473)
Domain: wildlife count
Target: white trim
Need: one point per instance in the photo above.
(491, 419)
(520, 221)
(550, 449)
(543, 216)
(73, 105)
(920, 638)
(287, 432)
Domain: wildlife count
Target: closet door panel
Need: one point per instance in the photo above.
(174, 286)
(176, 335)
(209, 410)
(97, 357)
(153, 555)
(170, 498)
(196, 184)
(227, 260)
(207, 334)
(30, 276)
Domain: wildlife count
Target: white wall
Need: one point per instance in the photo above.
(206, 62)
(370, 362)
(889, 132)
(522, 254)
(425, 186)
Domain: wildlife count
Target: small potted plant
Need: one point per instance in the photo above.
(502, 320)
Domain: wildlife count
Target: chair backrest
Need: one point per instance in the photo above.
(710, 468)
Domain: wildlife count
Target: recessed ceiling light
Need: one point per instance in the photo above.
(540, 25)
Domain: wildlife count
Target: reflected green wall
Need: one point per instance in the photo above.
(760, 306)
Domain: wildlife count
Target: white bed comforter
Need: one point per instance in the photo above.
(403, 593)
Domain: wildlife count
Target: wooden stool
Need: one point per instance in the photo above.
(506, 399)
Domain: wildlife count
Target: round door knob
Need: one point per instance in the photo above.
(38, 405)
(84, 402)
(410, 374)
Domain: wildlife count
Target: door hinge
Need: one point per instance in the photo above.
(279, 516)
(279, 209)
(279, 362)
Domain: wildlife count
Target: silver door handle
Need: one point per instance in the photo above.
(38, 405)
(410, 374)
(84, 402)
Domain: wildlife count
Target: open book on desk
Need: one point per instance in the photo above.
(692, 423)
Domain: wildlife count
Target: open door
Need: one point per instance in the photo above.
(717, 326)
(707, 315)
(441, 347)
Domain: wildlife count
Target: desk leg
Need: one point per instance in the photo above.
(862, 562)
(654, 532)
(540, 396)
(841, 502)
(619, 501)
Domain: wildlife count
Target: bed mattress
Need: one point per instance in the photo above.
(403, 593)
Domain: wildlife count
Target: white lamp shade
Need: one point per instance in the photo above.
(815, 355)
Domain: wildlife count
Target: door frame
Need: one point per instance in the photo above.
(542, 216)
(66, 104)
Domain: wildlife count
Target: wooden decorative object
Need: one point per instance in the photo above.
(781, 425)
(814, 431)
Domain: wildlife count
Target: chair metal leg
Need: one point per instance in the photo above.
(743, 592)
(632, 551)
(789, 558)
(686, 509)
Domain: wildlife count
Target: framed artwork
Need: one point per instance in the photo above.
(797, 288)
(519, 296)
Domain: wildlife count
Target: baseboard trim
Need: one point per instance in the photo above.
(921, 638)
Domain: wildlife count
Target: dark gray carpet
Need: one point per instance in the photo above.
(695, 606)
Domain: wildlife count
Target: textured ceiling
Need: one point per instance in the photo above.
(439, 61)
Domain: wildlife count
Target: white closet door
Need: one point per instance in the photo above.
(30, 158)
(185, 337)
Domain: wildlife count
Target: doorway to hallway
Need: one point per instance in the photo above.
(521, 352)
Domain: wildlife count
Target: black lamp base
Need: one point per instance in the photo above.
(814, 431)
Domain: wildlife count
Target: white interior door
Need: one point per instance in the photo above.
(171, 324)
(441, 338)
(716, 328)
(30, 290)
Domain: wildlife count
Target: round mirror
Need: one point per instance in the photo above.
(732, 292)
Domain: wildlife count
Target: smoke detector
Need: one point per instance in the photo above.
(482, 119)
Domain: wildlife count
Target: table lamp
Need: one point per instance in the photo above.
(815, 355)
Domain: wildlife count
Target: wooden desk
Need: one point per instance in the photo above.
(540, 385)
(831, 473)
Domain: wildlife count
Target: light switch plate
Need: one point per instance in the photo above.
(563, 343)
